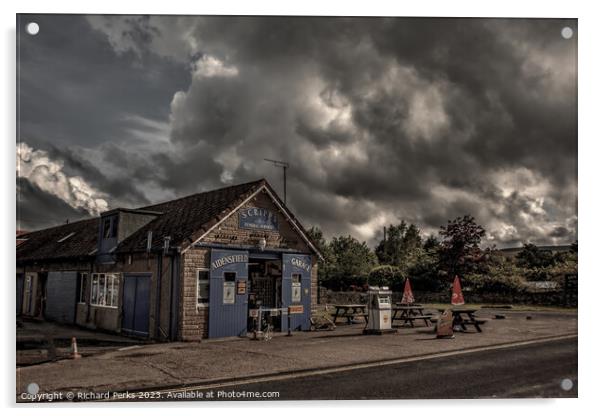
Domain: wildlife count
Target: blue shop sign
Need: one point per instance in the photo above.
(257, 219)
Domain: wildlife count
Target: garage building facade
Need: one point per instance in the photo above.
(187, 269)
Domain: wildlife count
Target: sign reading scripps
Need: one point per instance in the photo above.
(257, 219)
(230, 259)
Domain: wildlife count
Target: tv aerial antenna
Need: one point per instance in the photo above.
(284, 166)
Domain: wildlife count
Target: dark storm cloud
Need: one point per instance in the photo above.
(121, 189)
(77, 93)
(381, 119)
(37, 209)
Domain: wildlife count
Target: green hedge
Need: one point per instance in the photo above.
(493, 284)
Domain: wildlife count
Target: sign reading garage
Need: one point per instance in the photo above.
(257, 219)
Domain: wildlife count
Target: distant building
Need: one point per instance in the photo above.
(186, 269)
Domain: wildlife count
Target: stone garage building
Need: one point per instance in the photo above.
(186, 269)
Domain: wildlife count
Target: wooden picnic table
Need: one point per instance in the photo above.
(465, 316)
(409, 314)
(349, 311)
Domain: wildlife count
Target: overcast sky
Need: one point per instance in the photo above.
(381, 119)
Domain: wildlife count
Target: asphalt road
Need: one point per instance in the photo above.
(536, 370)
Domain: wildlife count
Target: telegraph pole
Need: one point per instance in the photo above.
(284, 166)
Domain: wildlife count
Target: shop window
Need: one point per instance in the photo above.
(83, 284)
(104, 290)
(94, 290)
(202, 287)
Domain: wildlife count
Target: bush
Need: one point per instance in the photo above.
(390, 276)
(424, 274)
(344, 282)
(493, 284)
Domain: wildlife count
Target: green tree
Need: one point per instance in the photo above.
(424, 268)
(401, 244)
(533, 257)
(324, 265)
(352, 262)
(386, 275)
(460, 252)
(431, 243)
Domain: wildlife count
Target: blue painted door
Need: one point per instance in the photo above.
(228, 297)
(61, 297)
(296, 289)
(136, 304)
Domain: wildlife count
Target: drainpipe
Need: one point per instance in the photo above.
(158, 296)
(174, 295)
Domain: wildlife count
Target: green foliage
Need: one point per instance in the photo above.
(400, 245)
(317, 238)
(431, 243)
(390, 276)
(350, 264)
(460, 252)
(430, 264)
(533, 257)
(424, 271)
(542, 265)
(493, 284)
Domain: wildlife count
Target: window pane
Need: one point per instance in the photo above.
(114, 227)
(230, 276)
(94, 294)
(109, 289)
(203, 287)
(102, 290)
(115, 296)
(83, 287)
(106, 230)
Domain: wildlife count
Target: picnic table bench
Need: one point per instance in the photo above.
(466, 316)
(349, 311)
(409, 314)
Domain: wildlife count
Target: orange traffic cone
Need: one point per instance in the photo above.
(74, 354)
(457, 297)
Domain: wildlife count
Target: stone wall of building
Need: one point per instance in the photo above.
(286, 237)
(194, 319)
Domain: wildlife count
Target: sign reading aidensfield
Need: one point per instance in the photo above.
(257, 219)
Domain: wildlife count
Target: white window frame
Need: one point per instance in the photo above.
(102, 303)
(198, 286)
(82, 278)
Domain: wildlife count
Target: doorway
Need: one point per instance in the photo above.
(265, 281)
(136, 304)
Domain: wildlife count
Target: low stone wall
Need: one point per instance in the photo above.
(554, 298)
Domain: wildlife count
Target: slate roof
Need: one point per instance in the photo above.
(45, 245)
(184, 220)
